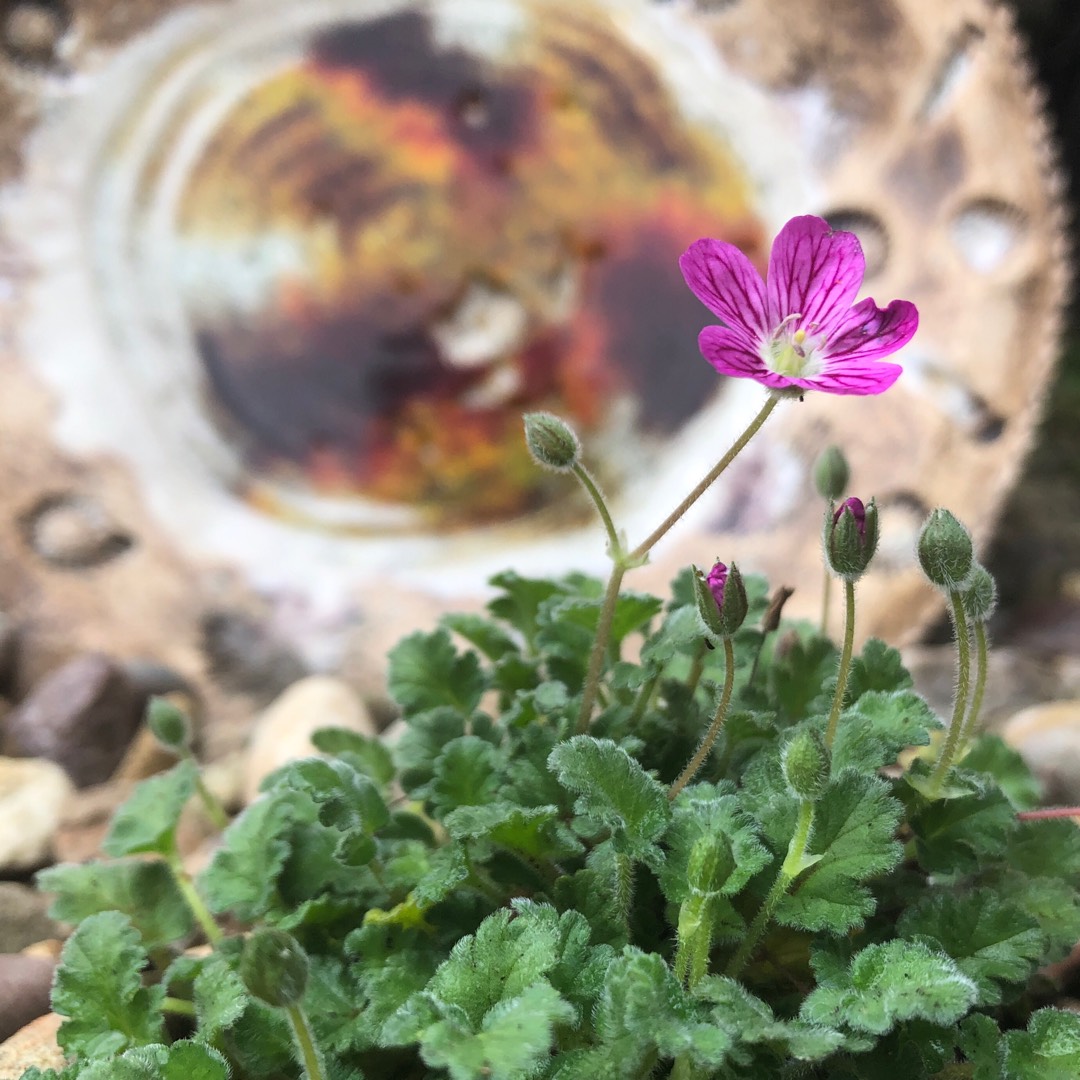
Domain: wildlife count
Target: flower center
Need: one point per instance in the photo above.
(792, 353)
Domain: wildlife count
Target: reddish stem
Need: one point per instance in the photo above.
(1049, 812)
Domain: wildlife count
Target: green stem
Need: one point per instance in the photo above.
(642, 550)
(305, 1042)
(972, 722)
(599, 647)
(696, 668)
(624, 888)
(178, 1006)
(590, 486)
(789, 871)
(826, 595)
(709, 738)
(211, 804)
(645, 695)
(194, 901)
(963, 680)
(845, 663)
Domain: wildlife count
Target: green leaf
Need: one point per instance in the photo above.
(1054, 904)
(98, 987)
(364, 753)
(680, 633)
(878, 726)
(490, 639)
(877, 668)
(991, 754)
(242, 875)
(535, 832)
(466, 773)
(1048, 1050)
(954, 836)
(220, 998)
(890, 983)
(144, 890)
(181, 1061)
(421, 744)
(426, 671)
(854, 830)
(980, 1042)
(347, 799)
(799, 674)
(614, 790)
(992, 942)
(147, 821)
(520, 601)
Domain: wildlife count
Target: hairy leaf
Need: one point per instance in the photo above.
(147, 821)
(1048, 1050)
(426, 671)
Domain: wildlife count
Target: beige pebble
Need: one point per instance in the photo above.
(145, 757)
(283, 730)
(1048, 738)
(34, 1044)
(32, 795)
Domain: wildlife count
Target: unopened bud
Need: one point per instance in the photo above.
(851, 538)
(806, 763)
(168, 723)
(551, 441)
(274, 967)
(721, 599)
(710, 864)
(979, 595)
(831, 473)
(945, 551)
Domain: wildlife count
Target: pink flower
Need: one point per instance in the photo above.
(716, 581)
(858, 512)
(798, 329)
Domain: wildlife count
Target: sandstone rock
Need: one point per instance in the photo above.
(34, 1044)
(24, 990)
(283, 731)
(1048, 738)
(32, 794)
(23, 918)
(85, 820)
(82, 716)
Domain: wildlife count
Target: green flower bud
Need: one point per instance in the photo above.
(979, 595)
(721, 599)
(274, 967)
(806, 763)
(945, 551)
(831, 473)
(710, 864)
(551, 442)
(851, 538)
(169, 723)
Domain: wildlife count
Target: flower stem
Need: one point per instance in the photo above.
(194, 901)
(305, 1043)
(845, 663)
(826, 595)
(696, 669)
(590, 486)
(709, 738)
(963, 680)
(789, 871)
(1049, 813)
(599, 647)
(643, 549)
(644, 696)
(179, 1006)
(211, 804)
(972, 722)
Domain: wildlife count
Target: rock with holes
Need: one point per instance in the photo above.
(32, 796)
(283, 731)
(82, 716)
(1048, 738)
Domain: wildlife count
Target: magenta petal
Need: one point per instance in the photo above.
(814, 272)
(727, 351)
(869, 332)
(844, 376)
(725, 281)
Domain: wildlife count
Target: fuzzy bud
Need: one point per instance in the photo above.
(979, 595)
(806, 763)
(710, 864)
(274, 967)
(831, 473)
(551, 442)
(945, 551)
(721, 599)
(851, 538)
(168, 723)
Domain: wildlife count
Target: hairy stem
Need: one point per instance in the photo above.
(305, 1043)
(963, 680)
(709, 737)
(696, 668)
(643, 549)
(589, 484)
(644, 696)
(971, 724)
(194, 901)
(624, 888)
(789, 871)
(826, 596)
(599, 647)
(845, 663)
(178, 1006)
(211, 804)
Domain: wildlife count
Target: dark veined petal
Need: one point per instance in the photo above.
(842, 375)
(728, 352)
(869, 331)
(725, 281)
(814, 272)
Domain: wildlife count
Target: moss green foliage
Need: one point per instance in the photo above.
(501, 898)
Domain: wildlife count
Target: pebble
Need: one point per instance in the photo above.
(1047, 736)
(283, 730)
(85, 820)
(32, 795)
(82, 716)
(23, 917)
(33, 1045)
(24, 990)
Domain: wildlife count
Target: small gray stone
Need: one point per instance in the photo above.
(82, 716)
(24, 990)
(23, 918)
(32, 796)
